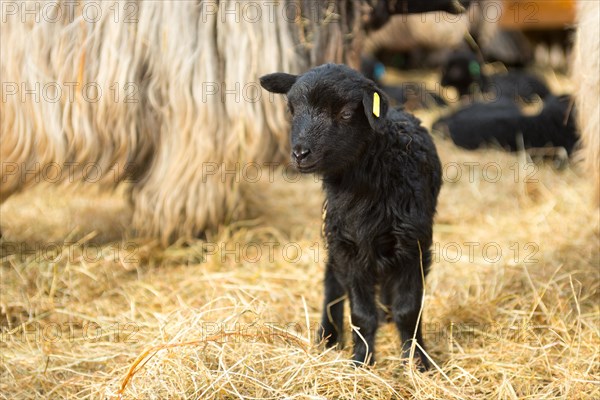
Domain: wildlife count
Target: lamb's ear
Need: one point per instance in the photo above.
(376, 107)
(278, 82)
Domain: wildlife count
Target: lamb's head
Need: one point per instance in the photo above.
(335, 112)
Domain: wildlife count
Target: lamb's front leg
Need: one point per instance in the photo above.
(363, 311)
(331, 329)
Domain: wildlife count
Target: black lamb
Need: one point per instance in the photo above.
(382, 176)
(502, 123)
(463, 71)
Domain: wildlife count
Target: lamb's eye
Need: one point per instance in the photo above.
(346, 115)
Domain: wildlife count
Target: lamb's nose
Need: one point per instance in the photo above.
(300, 153)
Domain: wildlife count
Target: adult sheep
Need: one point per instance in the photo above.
(435, 31)
(163, 94)
(586, 77)
(158, 94)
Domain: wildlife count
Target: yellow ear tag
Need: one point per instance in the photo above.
(376, 104)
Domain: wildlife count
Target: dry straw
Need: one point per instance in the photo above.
(195, 321)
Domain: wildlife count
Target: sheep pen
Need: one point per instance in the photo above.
(511, 301)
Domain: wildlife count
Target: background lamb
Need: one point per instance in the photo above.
(502, 123)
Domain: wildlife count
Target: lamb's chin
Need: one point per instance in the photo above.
(306, 169)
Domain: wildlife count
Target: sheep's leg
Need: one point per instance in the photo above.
(405, 313)
(364, 321)
(331, 328)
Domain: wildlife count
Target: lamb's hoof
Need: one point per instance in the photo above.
(420, 362)
(330, 337)
(423, 365)
(362, 361)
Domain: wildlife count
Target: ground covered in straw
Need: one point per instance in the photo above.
(511, 307)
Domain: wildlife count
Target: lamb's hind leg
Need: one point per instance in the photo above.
(406, 305)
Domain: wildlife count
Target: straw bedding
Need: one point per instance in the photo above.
(235, 316)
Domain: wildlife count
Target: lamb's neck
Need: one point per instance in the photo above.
(367, 177)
